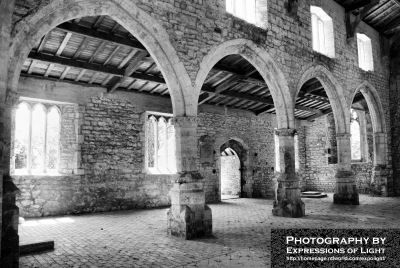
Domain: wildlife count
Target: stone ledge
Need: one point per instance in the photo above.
(35, 248)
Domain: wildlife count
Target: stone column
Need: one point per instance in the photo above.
(345, 189)
(379, 171)
(9, 241)
(288, 201)
(189, 217)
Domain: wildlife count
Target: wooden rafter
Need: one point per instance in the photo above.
(351, 27)
(93, 67)
(63, 44)
(393, 27)
(133, 66)
(43, 42)
(101, 36)
(82, 46)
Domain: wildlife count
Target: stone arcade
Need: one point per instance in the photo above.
(112, 105)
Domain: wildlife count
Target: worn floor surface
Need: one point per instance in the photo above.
(241, 230)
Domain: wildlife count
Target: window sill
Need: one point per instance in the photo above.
(48, 174)
(156, 171)
(355, 162)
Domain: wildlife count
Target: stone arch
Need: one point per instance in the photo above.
(264, 64)
(140, 24)
(242, 151)
(335, 94)
(374, 104)
(378, 120)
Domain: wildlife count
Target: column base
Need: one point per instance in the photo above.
(289, 209)
(379, 185)
(189, 217)
(9, 236)
(185, 226)
(346, 199)
(345, 190)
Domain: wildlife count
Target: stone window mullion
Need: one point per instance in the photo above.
(45, 142)
(155, 143)
(29, 155)
(165, 143)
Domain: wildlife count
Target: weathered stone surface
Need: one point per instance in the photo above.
(189, 217)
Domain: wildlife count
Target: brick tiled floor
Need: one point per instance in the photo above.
(241, 229)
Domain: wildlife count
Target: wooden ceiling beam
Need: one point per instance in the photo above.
(312, 97)
(42, 44)
(82, 46)
(101, 36)
(351, 27)
(132, 67)
(65, 72)
(93, 67)
(392, 27)
(97, 52)
(248, 97)
(115, 51)
(235, 71)
(313, 87)
(63, 44)
(263, 110)
(359, 4)
(98, 22)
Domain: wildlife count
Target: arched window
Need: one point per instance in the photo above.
(160, 140)
(322, 32)
(355, 136)
(36, 143)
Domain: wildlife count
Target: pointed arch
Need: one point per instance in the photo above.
(140, 24)
(335, 94)
(264, 64)
(374, 105)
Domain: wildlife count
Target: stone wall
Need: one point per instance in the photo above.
(256, 135)
(60, 195)
(319, 169)
(111, 159)
(110, 138)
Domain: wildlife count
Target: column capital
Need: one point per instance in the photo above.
(343, 135)
(285, 132)
(185, 121)
(11, 98)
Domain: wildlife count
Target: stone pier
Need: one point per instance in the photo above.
(189, 217)
(345, 188)
(288, 201)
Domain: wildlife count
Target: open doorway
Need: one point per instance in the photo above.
(230, 174)
(232, 181)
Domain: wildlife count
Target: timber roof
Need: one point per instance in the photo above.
(99, 51)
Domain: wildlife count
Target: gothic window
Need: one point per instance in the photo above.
(322, 32)
(364, 47)
(244, 9)
(36, 142)
(355, 136)
(160, 153)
